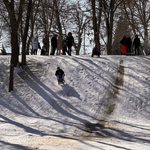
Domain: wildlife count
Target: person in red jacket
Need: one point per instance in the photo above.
(124, 45)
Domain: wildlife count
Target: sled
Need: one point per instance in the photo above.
(60, 81)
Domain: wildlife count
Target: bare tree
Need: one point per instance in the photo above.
(14, 25)
(109, 11)
(81, 19)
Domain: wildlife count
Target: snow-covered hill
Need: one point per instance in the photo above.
(104, 104)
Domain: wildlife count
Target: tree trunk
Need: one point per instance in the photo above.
(31, 34)
(98, 25)
(109, 14)
(14, 24)
(11, 78)
(146, 40)
(79, 44)
(96, 22)
(44, 17)
(111, 26)
(58, 18)
(26, 33)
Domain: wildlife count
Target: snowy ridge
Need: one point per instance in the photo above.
(104, 104)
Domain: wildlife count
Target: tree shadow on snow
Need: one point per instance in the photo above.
(51, 96)
(103, 71)
(26, 128)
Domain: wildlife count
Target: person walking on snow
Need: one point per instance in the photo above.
(35, 45)
(136, 44)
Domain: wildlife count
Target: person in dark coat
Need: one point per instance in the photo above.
(70, 42)
(123, 42)
(95, 51)
(136, 44)
(46, 43)
(54, 44)
(59, 73)
(128, 44)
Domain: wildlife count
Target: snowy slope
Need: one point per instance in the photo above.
(104, 104)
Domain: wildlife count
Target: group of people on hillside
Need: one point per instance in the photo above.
(127, 44)
(62, 46)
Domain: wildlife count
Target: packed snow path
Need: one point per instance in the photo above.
(105, 104)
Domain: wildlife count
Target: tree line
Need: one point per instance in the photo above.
(99, 22)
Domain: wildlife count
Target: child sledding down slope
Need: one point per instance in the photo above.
(60, 75)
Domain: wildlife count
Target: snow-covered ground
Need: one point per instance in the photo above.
(103, 105)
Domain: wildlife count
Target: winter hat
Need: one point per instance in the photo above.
(128, 35)
(36, 36)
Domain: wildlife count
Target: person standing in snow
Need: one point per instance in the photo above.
(54, 44)
(59, 45)
(128, 44)
(35, 45)
(70, 42)
(136, 44)
(64, 49)
(123, 42)
(46, 43)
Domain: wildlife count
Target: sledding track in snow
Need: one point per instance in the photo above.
(98, 129)
(115, 90)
